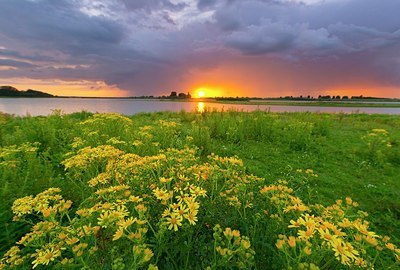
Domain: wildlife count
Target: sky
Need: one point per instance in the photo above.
(263, 48)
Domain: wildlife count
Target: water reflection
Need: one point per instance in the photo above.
(44, 106)
(201, 107)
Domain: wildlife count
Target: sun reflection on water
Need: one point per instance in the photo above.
(200, 107)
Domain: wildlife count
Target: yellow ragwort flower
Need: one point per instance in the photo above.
(174, 221)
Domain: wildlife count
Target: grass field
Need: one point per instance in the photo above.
(214, 190)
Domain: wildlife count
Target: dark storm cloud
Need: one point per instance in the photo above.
(272, 37)
(57, 25)
(148, 46)
(60, 28)
(201, 4)
(261, 27)
(150, 5)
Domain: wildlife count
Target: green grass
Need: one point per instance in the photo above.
(271, 146)
(356, 104)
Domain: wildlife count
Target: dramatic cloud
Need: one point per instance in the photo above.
(246, 47)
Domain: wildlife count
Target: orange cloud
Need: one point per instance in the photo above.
(80, 88)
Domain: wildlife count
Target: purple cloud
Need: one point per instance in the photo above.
(153, 46)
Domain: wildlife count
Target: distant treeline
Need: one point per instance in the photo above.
(327, 97)
(9, 91)
(173, 95)
(302, 98)
(232, 99)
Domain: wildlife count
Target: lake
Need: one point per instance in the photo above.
(44, 106)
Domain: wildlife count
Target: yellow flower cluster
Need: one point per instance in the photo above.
(47, 203)
(14, 155)
(168, 124)
(377, 138)
(282, 197)
(88, 156)
(104, 119)
(338, 229)
(182, 206)
(235, 250)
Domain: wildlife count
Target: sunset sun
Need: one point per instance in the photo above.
(201, 93)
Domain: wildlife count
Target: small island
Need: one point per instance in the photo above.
(10, 91)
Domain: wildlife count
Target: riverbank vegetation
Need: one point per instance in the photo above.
(315, 103)
(211, 190)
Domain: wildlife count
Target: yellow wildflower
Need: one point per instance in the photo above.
(191, 217)
(349, 201)
(390, 246)
(280, 243)
(294, 224)
(307, 250)
(165, 180)
(371, 240)
(71, 241)
(345, 223)
(344, 252)
(162, 194)
(153, 267)
(45, 256)
(305, 235)
(174, 221)
(181, 211)
(135, 199)
(245, 243)
(325, 234)
(292, 241)
(126, 223)
(141, 208)
(358, 237)
(148, 253)
(118, 234)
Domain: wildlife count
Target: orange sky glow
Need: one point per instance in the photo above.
(228, 89)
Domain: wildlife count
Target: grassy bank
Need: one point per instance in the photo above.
(351, 104)
(386, 103)
(184, 190)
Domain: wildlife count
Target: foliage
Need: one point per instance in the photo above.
(156, 190)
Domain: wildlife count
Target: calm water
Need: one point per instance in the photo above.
(44, 106)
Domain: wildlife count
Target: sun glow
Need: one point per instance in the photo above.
(208, 90)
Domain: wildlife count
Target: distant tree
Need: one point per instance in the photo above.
(188, 95)
(337, 97)
(182, 95)
(324, 97)
(173, 94)
(345, 97)
(9, 91)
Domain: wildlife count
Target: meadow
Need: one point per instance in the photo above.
(211, 190)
